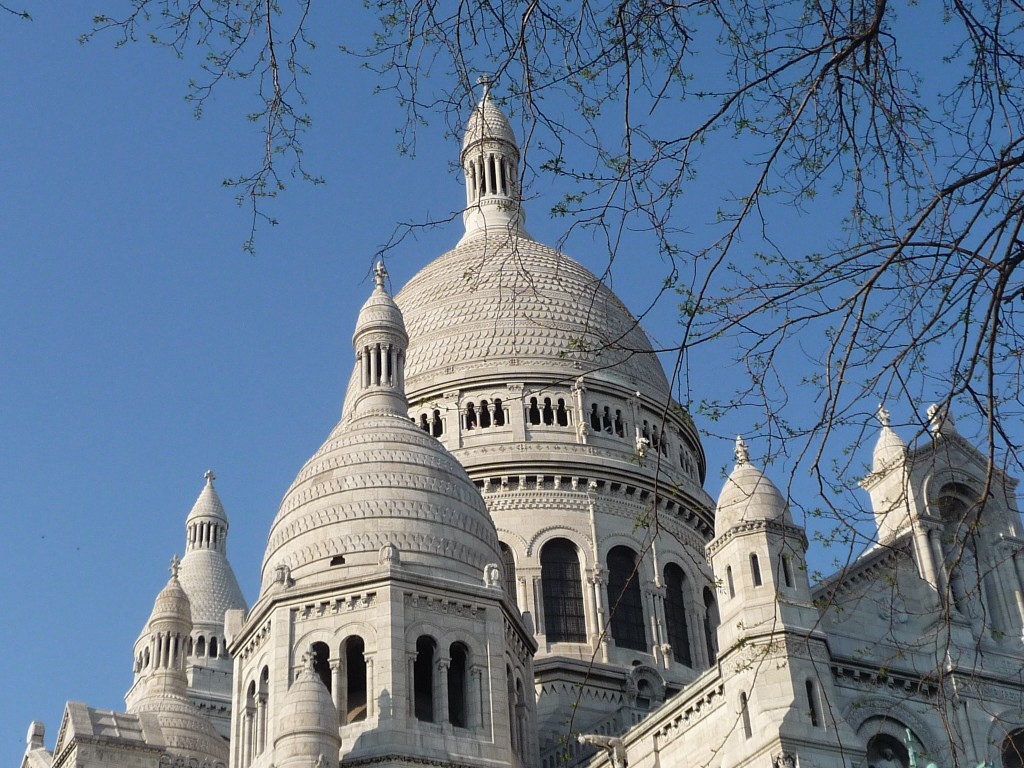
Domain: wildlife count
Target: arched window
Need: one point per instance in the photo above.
(355, 680)
(620, 425)
(201, 646)
(748, 731)
(711, 624)
(499, 413)
(606, 420)
(1013, 750)
(786, 564)
(533, 412)
(458, 677)
(423, 679)
(485, 414)
(595, 418)
(625, 601)
(145, 658)
(563, 592)
(213, 647)
(676, 598)
(322, 663)
(755, 570)
(470, 416)
(813, 705)
(561, 415)
(886, 750)
(261, 711)
(644, 694)
(548, 415)
(729, 581)
(508, 571)
(958, 506)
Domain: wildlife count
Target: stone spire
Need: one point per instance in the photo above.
(380, 342)
(890, 448)
(490, 163)
(207, 526)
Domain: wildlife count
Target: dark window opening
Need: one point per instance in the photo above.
(470, 416)
(711, 625)
(595, 418)
(606, 420)
(620, 426)
(338, 560)
(676, 614)
(755, 570)
(457, 678)
(423, 423)
(437, 426)
(563, 592)
(508, 569)
(355, 685)
(561, 415)
(813, 707)
(748, 731)
(533, 414)
(213, 647)
(548, 414)
(322, 663)
(625, 600)
(787, 570)
(499, 413)
(485, 414)
(423, 679)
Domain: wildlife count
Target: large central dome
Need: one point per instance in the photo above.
(495, 302)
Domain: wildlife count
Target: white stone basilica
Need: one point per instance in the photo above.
(505, 543)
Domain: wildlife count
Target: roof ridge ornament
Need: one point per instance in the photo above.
(882, 414)
(486, 80)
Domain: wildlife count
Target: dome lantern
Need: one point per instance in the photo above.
(490, 163)
(380, 343)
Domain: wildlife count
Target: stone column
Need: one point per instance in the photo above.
(338, 689)
(474, 706)
(261, 722)
(441, 690)
(371, 700)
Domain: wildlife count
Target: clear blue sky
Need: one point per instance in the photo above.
(139, 346)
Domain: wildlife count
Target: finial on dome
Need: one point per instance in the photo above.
(210, 477)
(380, 274)
(741, 451)
(175, 566)
(486, 80)
(882, 414)
(940, 420)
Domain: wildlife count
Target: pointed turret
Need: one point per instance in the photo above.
(887, 482)
(748, 495)
(380, 342)
(490, 163)
(308, 733)
(161, 650)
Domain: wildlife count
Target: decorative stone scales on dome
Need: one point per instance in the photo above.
(378, 480)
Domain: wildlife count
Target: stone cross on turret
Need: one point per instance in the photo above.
(175, 566)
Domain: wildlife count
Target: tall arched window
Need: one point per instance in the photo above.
(786, 565)
(748, 731)
(711, 624)
(625, 601)
(813, 705)
(458, 682)
(562, 584)
(508, 571)
(355, 680)
(423, 679)
(322, 663)
(676, 598)
(755, 570)
(1013, 750)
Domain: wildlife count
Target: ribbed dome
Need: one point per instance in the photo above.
(748, 496)
(307, 707)
(487, 122)
(172, 604)
(380, 481)
(207, 506)
(497, 301)
(211, 585)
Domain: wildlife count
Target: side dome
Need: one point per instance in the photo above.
(380, 482)
(172, 603)
(749, 496)
(495, 300)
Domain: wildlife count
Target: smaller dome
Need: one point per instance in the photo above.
(208, 504)
(307, 707)
(172, 604)
(890, 448)
(487, 123)
(380, 313)
(748, 496)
